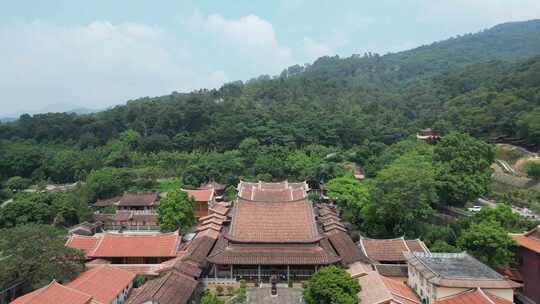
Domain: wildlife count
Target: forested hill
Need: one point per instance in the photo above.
(452, 84)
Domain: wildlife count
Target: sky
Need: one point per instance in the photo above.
(56, 54)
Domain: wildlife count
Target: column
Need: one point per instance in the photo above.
(288, 274)
(259, 273)
(215, 271)
(231, 271)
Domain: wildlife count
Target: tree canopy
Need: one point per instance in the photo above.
(176, 212)
(331, 285)
(37, 254)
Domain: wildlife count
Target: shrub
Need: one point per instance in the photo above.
(532, 169)
(219, 290)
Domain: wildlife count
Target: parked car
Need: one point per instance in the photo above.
(475, 208)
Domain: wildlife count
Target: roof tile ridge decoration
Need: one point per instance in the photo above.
(448, 297)
(530, 232)
(364, 250)
(405, 243)
(234, 217)
(423, 245)
(311, 214)
(397, 294)
(96, 246)
(413, 254)
(485, 296)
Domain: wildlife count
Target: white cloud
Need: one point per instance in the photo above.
(92, 65)
(250, 36)
(314, 49)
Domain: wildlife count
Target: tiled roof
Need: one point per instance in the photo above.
(346, 248)
(107, 202)
(219, 209)
(189, 268)
(213, 185)
(392, 270)
(389, 250)
(273, 222)
(103, 283)
(457, 270)
(212, 216)
(529, 240)
(272, 192)
(87, 244)
(172, 288)
(200, 195)
(213, 220)
(358, 269)
(400, 292)
(139, 199)
(54, 293)
(200, 247)
(209, 226)
(378, 289)
(127, 245)
(473, 296)
(255, 254)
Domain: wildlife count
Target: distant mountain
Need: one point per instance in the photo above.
(52, 108)
(485, 84)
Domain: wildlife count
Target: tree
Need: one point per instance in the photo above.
(108, 182)
(442, 246)
(210, 298)
(532, 169)
(25, 211)
(37, 253)
(17, 183)
(489, 243)
(349, 194)
(401, 197)
(331, 285)
(176, 212)
(463, 168)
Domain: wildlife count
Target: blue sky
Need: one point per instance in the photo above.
(94, 54)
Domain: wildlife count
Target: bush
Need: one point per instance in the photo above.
(532, 169)
(219, 290)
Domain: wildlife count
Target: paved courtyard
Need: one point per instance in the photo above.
(285, 296)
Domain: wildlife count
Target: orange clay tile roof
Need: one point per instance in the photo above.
(54, 293)
(529, 240)
(390, 250)
(261, 254)
(400, 292)
(84, 243)
(103, 283)
(473, 296)
(201, 195)
(272, 192)
(273, 222)
(126, 245)
(378, 289)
